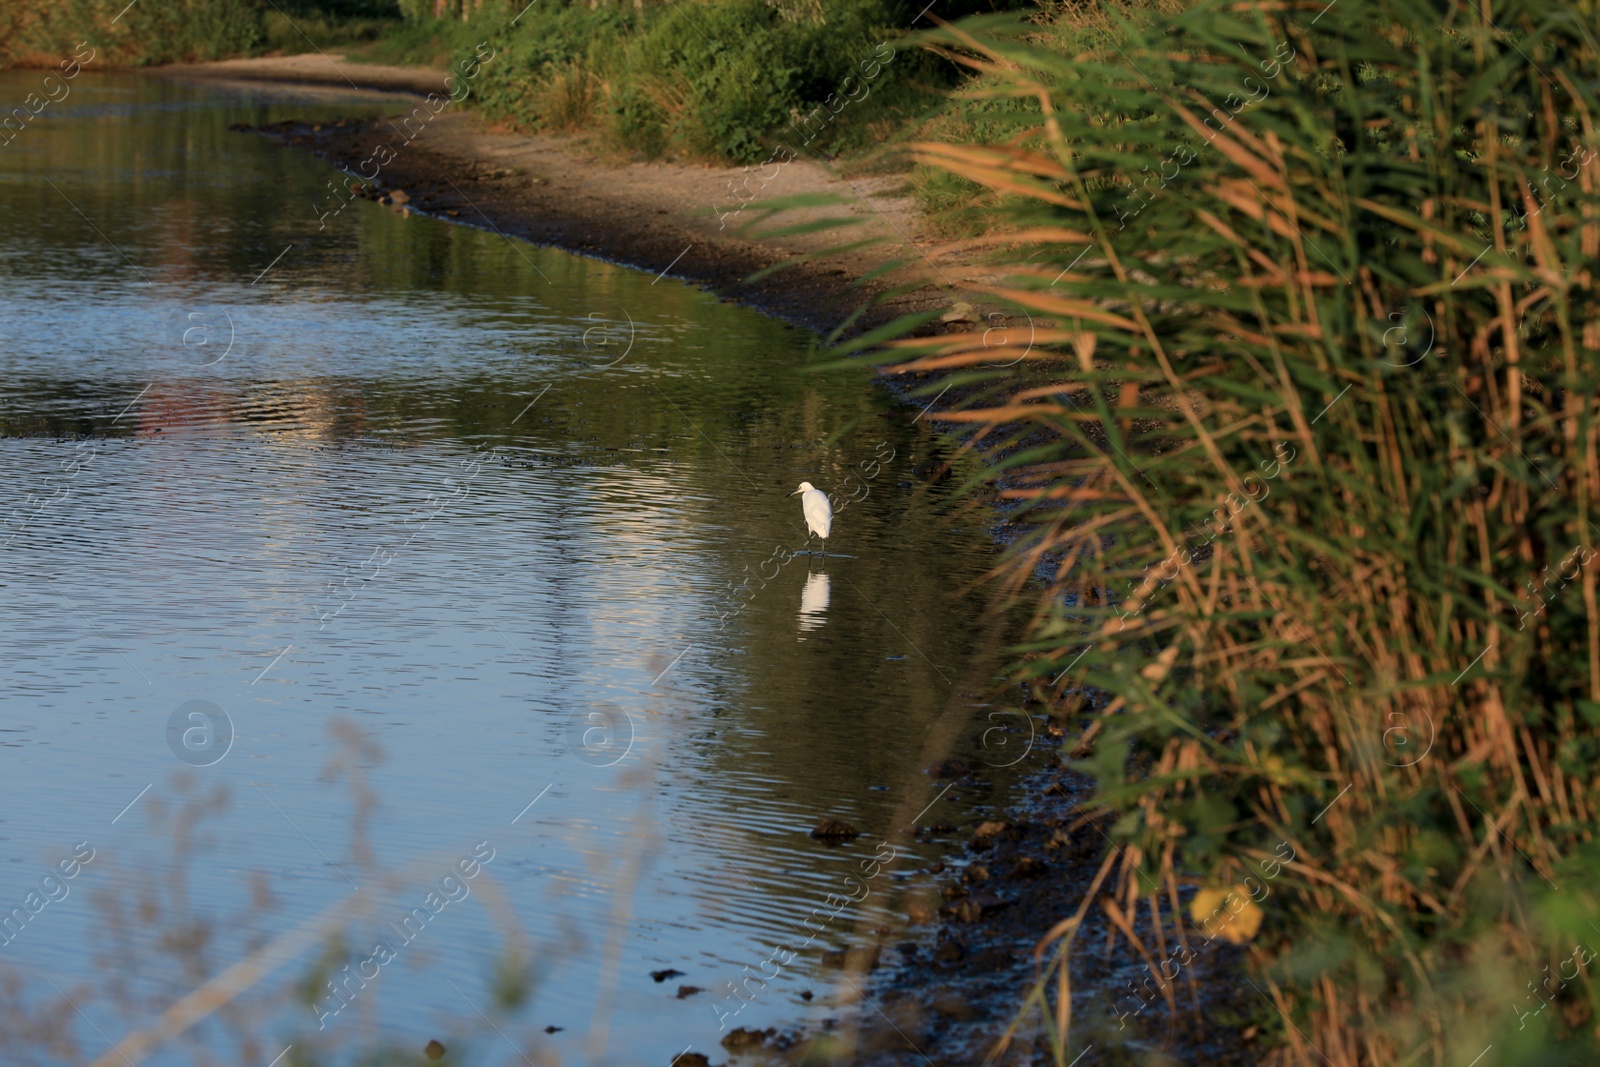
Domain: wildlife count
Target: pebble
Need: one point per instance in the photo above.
(853, 959)
(950, 768)
(835, 830)
(952, 1005)
(971, 909)
(434, 1050)
(1028, 867)
(742, 1038)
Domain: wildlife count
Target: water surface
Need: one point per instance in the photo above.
(487, 504)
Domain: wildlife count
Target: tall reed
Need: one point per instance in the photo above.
(1304, 435)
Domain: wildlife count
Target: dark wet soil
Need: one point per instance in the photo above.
(954, 976)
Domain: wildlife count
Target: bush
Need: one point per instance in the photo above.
(46, 31)
(720, 80)
(43, 32)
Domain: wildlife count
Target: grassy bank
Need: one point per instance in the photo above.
(1305, 429)
(714, 80)
(43, 32)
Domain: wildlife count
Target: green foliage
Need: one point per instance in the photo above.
(723, 80)
(43, 32)
(292, 31)
(295, 26)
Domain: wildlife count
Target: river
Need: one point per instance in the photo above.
(357, 553)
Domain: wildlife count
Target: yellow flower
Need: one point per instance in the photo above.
(1228, 913)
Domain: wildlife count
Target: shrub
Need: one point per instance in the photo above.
(718, 80)
(45, 31)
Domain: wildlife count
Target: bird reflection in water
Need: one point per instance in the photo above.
(813, 603)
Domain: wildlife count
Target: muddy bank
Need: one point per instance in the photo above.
(944, 984)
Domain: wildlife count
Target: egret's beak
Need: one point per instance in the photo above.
(797, 492)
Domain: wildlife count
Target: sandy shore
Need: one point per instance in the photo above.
(320, 69)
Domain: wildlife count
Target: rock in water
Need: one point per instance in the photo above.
(662, 976)
(746, 1039)
(1028, 867)
(434, 1050)
(864, 958)
(835, 830)
(950, 768)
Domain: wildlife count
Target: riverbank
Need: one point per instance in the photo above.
(956, 971)
(667, 219)
(695, 222)
(312, 69)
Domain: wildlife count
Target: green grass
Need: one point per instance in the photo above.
(292, 34)
(716, 80)
(43, 32)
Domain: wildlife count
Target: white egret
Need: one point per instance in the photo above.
(818, 512)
